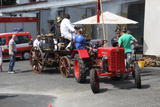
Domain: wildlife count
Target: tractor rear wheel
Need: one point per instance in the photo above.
(79, 69)
(94, 81)
(137, 76)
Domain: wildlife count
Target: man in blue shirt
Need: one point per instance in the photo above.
(79, 39)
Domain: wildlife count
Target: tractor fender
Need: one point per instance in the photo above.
(83, 53)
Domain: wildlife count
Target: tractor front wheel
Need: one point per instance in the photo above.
(137, 76)
(79, 69)
(94, 81)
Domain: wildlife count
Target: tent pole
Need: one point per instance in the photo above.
(103, 26)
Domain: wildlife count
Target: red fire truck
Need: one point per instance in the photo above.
(23, 44)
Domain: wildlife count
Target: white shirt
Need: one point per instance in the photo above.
(66, 27)
(0, 51)
(12, 47)
(36, 43)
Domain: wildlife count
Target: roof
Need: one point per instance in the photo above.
(45, 5)
(109, 18)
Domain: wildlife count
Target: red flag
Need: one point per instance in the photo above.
(98, 11)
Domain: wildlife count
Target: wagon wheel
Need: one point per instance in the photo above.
(31, 56)
(65, 66)
(36, 60)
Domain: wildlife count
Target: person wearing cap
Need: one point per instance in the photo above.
(58, 19)
(114, 40)
(36, 42)
(67, 29)
(57, 26)
(125, 42)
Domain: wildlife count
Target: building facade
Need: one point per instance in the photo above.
(46, 12)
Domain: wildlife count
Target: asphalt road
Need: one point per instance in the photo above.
(27, 89)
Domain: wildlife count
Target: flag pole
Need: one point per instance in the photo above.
(98, 11)
(102, 16)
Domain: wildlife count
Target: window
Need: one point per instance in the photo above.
(2, 40)
(32, 0)
(61, 12)
(21, 39)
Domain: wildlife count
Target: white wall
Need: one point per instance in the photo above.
(152, 28)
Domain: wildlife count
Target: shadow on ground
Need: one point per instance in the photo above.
(20, 100)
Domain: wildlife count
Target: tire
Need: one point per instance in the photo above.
(79, 69)
(137, 76)
(94, 81)
(26, 55)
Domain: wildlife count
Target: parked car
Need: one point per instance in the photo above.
(23, 44)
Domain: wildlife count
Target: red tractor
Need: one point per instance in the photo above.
(103, 61)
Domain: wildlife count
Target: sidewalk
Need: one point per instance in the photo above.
(151, 68)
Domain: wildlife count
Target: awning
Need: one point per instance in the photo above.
(109, 18)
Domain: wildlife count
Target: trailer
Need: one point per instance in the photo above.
(51, 53)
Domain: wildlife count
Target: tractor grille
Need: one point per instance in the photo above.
(116, 58)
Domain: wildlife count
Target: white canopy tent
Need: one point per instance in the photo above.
(106, 18)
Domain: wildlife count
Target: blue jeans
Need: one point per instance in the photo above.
(11, 63)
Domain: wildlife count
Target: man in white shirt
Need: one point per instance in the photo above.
(12, 54)
(36, 43)
(1, 57)
(67, 29)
